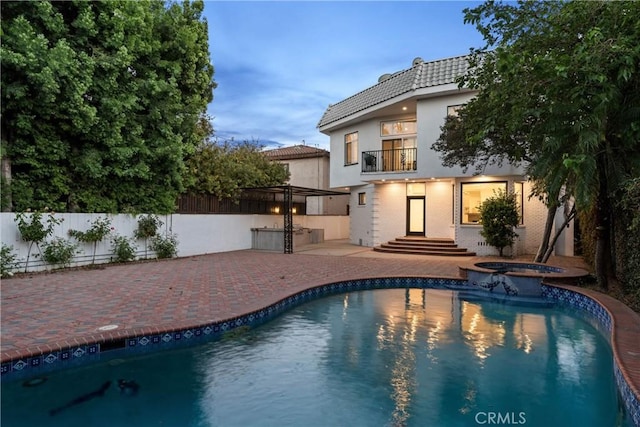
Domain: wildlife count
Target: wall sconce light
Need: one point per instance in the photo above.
(276, 209)
(294, 210)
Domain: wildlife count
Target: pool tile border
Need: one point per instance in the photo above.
(119, 345)
(578, 299)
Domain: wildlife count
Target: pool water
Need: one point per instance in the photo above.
(371, 358)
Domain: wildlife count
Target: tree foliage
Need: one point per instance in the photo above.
(100, 102)
(499, 217)
(224, 168)
(559, 89)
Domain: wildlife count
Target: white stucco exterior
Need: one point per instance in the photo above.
(384, 216)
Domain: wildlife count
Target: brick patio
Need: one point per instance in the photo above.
(48, 312)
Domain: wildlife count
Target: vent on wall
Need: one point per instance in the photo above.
(483, 244)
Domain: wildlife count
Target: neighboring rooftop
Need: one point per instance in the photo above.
(295, 152)
(420, 75)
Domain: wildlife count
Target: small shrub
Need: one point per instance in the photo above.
(499, 216)
(147, 228)
(8, 261)
(59, 252)
(100, 228)
(33, 230)
(165, 246)
(123, 249)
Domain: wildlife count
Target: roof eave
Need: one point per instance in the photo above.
(422, 93)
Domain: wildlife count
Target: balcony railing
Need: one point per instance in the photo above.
(396, 160)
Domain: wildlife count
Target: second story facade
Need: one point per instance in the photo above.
(380, 143)
(386, 131)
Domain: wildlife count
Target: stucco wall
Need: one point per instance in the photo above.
(390, 212)
(196, 234)
(440, 209)
(361, 217)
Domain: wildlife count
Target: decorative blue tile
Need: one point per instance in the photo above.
(50, 358)
(6, 368)
(78, 352)
(143, 341)
(19, 365)
(34, 362)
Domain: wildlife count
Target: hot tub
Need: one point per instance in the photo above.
(516, 278)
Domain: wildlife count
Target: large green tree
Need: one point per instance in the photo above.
(559, 89)
(223, 168)
(100, 102)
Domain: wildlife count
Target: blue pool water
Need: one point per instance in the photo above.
(371, 358)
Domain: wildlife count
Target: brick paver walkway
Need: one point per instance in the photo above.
(47, 312)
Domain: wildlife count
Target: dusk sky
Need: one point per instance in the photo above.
(279, 64)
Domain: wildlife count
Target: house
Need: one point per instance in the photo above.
(309, 167)
(381, 153)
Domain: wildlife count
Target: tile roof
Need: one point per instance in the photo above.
(420, 75)
(295, 152)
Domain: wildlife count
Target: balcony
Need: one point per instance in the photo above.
(396, 160)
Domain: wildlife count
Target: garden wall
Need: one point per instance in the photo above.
(196, 234)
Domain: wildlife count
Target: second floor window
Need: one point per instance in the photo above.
(398, 127)
(351, 148)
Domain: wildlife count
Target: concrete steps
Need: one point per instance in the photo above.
(423, 246)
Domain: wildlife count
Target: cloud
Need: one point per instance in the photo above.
(279, 65)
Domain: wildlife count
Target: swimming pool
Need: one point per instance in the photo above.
(368, 358)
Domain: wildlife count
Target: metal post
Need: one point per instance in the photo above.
(288, 220)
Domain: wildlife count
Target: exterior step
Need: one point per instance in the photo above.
(423, 246)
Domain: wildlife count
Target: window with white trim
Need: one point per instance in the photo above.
(398, 127)
(473, 194)
(351, 148)
(519, 190)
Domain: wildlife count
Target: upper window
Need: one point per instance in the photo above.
(351, 148)
(362, 198)
(398, 127)
(473, 194)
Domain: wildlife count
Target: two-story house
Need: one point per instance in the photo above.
(381, 153)
(309, 167)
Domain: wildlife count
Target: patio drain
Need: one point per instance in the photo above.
(108, 327)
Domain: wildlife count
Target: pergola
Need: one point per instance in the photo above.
(288, 192)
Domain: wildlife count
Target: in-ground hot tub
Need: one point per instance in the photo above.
(516, 278)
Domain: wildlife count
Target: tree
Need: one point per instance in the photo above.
(224, 168)
(559, 89)
(100, 102)
(499, 216)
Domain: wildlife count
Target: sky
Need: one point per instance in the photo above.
(279, 64)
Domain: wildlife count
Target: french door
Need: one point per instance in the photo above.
(416, 216)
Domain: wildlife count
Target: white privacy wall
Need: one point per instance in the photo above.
(196, 234)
